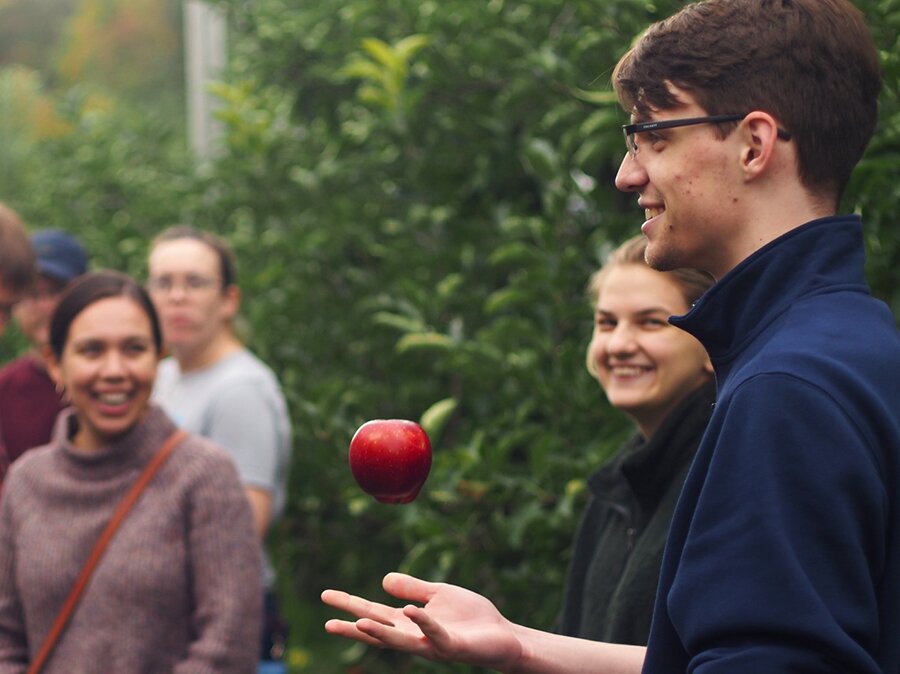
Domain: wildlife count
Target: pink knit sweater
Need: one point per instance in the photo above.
(178, 588)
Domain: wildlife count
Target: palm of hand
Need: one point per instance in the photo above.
(455, 624)
(466, 627)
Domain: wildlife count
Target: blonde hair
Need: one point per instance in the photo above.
(691, 282)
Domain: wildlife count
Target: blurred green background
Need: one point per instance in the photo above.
(417, 192)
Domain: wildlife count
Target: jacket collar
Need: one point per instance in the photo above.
(649, 466)
(814, 258)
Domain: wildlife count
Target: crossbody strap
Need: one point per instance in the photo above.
(121, 511)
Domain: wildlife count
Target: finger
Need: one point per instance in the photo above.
(348, 630)
(391, 637)
(336, 598)
(361, 608)
(431, 628)
(409, 588)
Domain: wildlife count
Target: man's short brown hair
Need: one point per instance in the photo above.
(811, 64)
(17, 264)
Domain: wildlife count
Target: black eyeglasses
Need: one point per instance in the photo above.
(631, 129)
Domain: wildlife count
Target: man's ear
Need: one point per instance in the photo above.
(759, 135)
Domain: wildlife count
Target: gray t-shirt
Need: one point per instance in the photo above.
(237, 403)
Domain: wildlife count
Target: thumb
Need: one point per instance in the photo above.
(408, 587)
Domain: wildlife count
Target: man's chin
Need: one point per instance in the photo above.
(660, 258)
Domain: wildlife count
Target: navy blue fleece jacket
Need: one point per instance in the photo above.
(784, 551)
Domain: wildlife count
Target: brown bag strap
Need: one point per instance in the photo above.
(121, 511)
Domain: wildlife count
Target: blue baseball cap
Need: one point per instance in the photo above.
(59, 255)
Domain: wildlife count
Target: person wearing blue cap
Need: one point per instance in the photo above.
(29, 401)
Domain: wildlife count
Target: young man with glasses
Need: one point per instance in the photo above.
(748, 117)
(16, 263)
(29, 401)
(212, 385)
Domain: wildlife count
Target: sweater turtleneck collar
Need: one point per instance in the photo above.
(816, 257)
(131, 449)
(649, 465)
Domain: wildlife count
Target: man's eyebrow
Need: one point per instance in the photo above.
(640, 312)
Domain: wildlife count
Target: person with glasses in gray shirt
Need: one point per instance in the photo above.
(212, 384)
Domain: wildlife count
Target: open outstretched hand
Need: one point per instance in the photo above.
(454, 624)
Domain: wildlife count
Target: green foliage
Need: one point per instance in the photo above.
(27, 27)
(433, 213)
(417, 193)
(384, 72)
(874, 190)
(116, 179)
(129, 46)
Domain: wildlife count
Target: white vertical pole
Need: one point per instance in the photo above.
(205, 54)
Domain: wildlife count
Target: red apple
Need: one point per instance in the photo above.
(390, 459)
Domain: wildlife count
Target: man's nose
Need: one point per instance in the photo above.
(631, 176)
